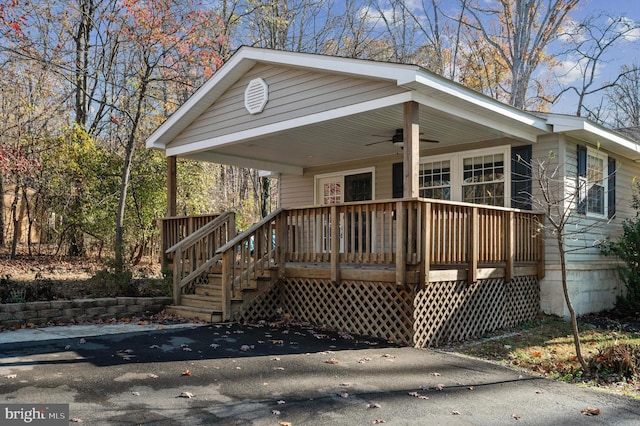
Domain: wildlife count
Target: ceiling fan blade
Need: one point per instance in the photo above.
(376, 143)
(429, 140)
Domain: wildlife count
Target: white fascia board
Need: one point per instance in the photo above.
(569, 124)
(251, 163)
(456, 90)
(357, 67)
(268, 129)
(517, 130)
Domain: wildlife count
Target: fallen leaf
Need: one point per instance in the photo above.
(378, 421)
(455, 413)
(373, 405)
(332, 361)
(516, 416)
(186, 349)
(590, 411)
(417, 395)
(82, 341)
(135, 393)
(280, 402)
(471, 388)
(214, 346)
(186, 395)
(279, 368)
(436, 374)
(275, 412)
(154, 347)
(344, 395)
(186, 373)
(75, 420)
(439, 387)
(283, 423)
(152, 376)
(11, 376)
(388, 356)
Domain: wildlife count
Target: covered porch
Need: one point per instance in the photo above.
(416, 271)
(358, 146)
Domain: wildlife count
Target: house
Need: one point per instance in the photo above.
(407, 209)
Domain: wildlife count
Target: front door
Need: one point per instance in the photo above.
(338, 188)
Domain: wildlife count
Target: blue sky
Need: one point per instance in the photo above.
(625, 52)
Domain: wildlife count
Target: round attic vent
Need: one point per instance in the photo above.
(256, 96)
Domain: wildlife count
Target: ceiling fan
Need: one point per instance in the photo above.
(398, 139)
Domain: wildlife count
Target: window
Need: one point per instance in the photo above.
(434, 180)
(358, 187)
(353, 185)
(479, 176)
(593, 180)
(483, 179)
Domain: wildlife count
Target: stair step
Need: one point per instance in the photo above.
(194, 300)
(209, 290)
(194, 313)
(215, 279)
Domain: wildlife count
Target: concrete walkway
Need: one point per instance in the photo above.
(186, 374)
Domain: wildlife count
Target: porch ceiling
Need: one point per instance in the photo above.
(345, 139)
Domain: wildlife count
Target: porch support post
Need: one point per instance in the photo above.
(172, 186)
(474, 228)
(335, 246)
(411, 147)
(510, 249)
(425, 244)
(541, 247)
(401, 244)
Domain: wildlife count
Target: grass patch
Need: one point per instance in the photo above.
(545, 347)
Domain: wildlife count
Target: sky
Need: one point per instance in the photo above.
(626, 52)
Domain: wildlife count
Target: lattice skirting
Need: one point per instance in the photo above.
(441, 312)
(455, 310)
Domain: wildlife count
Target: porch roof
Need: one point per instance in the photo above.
(329, 133)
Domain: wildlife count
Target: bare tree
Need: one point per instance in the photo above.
(624, 97)
(591, 41)
(520, 32)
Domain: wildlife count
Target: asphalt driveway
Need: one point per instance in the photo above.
(231, 374)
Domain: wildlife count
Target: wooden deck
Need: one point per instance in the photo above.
(395, 251)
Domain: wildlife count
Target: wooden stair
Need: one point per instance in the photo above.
(205, 304)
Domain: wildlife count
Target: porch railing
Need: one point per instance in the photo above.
(431, 235)
(196, 254)
(177, 228)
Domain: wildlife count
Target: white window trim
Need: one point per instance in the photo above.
(316, 199)
(457, 168)
(605, 175)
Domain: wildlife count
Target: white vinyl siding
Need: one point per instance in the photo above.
(293, 93)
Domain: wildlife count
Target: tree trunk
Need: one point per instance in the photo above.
(567, 299)
(16, 222)
(2, 213)
(126, 172)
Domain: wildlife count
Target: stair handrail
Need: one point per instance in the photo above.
(228, 252)
(191, 239)
(242, 235)
(186, 245)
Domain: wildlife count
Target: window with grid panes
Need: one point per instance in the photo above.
(434, 180)
(483, 180)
